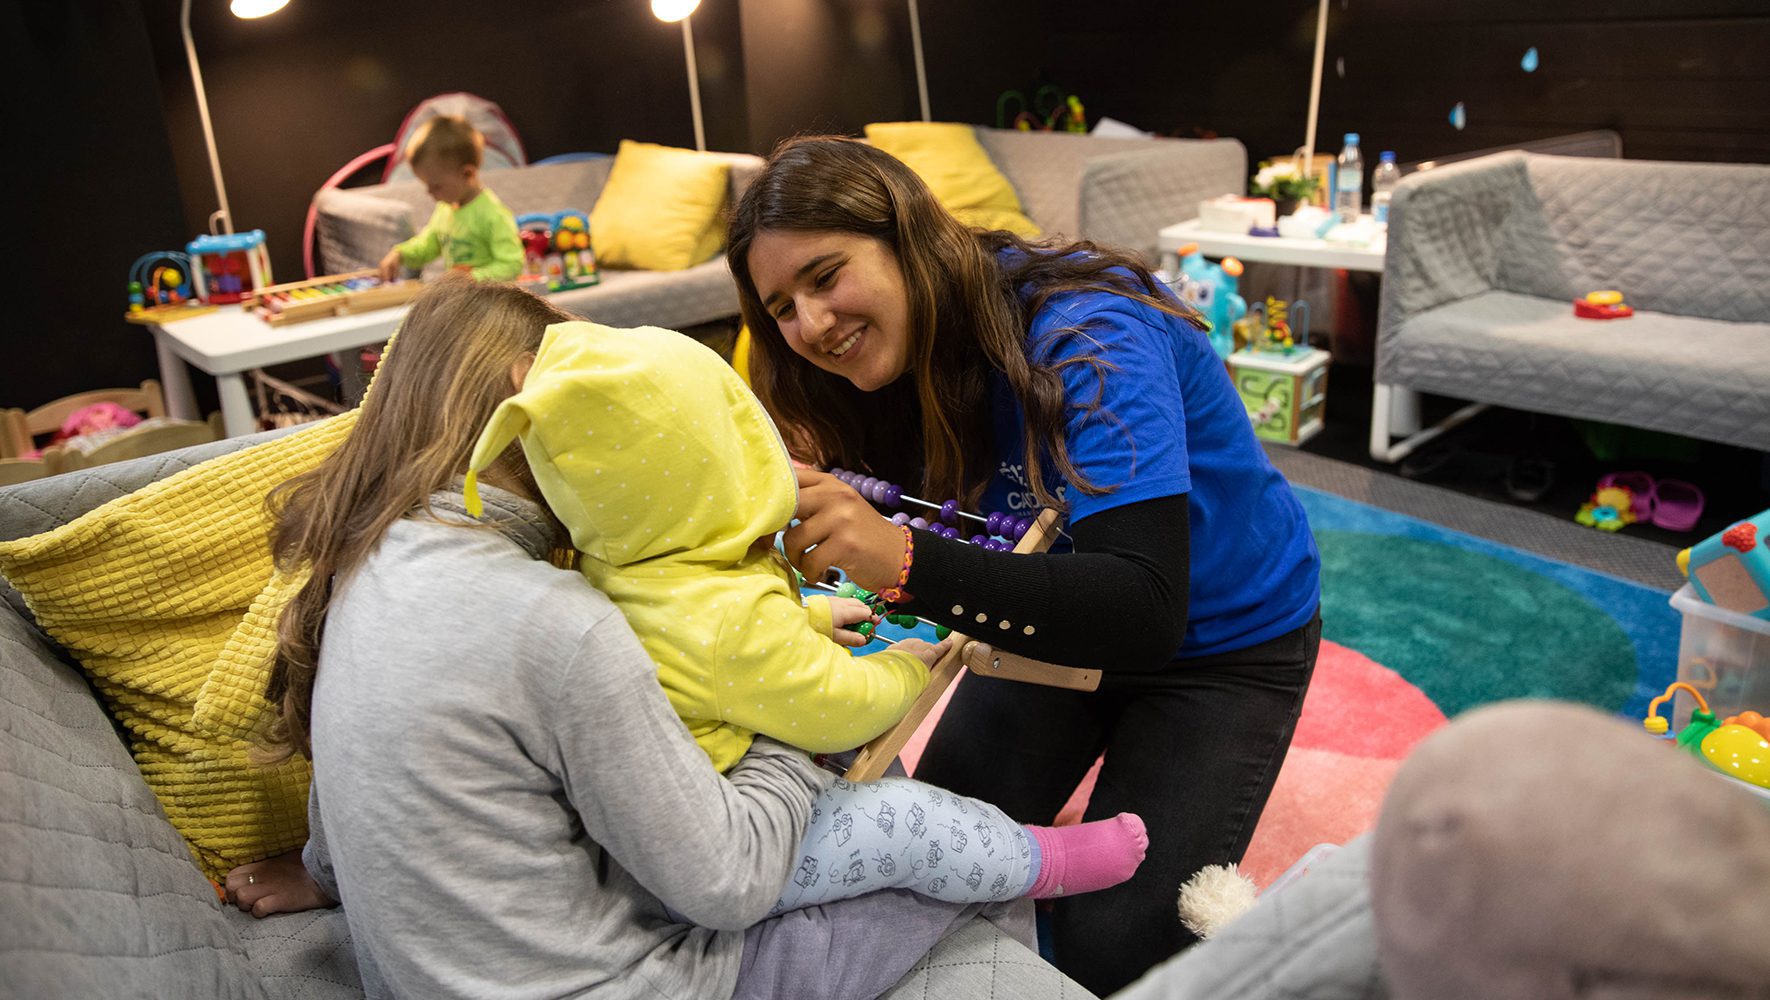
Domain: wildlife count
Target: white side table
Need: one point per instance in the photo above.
(1275, 249)
(231, 341)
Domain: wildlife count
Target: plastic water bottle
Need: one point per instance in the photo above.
(1349, 179)
(1382, 185)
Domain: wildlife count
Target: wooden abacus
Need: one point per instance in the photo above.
(329, 295)
(966, 652)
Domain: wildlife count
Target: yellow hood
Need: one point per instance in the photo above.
(647, 445)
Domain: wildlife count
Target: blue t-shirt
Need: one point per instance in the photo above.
(1169, 423)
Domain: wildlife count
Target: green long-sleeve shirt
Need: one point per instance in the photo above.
(480, 235)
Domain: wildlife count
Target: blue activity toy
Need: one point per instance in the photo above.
(1731, 569)
(1215, 291)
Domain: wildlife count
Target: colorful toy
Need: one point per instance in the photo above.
(1738, 746)
(331, 295)
(1731, 569)
(159, 289)
(1283, 384)
(229, 268)
(1212, 289)
(1611, 508)
(1267, 328)
(1602, 305)
(556, 251)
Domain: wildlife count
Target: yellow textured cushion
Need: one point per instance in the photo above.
(663, 209)
(166, 596)
(949, 159)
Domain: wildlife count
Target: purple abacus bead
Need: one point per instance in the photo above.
(917, 522)
(979, 539)
(951, 532)
(878, 491)
(949, 512)
(997, 545)
(838, 471)
(893, 494)
(994, 522)
(865, 486)
(1021, 524)
(900, 518)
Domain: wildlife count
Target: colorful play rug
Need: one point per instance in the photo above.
(1420, 622)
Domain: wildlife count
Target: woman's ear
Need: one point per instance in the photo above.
(519, 372)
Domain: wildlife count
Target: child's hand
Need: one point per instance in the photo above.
(278, 884)
(928, 652)
(390, 265)
(846, 611)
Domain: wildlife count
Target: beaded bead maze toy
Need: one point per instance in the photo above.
(330, 295)
(1000, 532)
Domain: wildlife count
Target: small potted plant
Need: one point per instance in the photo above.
(1284, 182)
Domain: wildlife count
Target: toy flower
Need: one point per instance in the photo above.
(1610, 509)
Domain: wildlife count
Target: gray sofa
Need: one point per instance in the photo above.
(356, 226)
(99, 896)
(1486, 257)
(1118, 191)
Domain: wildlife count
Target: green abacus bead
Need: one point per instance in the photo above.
(941, 632)
(865, 629)
(907, 621)
(848, 589)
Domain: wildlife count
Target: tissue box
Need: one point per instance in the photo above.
(1229, 214)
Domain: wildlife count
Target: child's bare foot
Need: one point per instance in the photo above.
(277, 884)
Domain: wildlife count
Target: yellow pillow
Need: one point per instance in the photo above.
(949, 159)
(166, 597)
(663, 209)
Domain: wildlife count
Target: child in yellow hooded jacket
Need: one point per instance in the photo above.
(673, 482)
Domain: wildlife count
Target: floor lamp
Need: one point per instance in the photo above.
(1314, 89)
(921, 68)
(221, 217)
(679, 10)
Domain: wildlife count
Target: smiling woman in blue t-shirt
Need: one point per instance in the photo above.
(891, 338)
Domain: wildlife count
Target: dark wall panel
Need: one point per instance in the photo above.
(96, 186)
(296, 95)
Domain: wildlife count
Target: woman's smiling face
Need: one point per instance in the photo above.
(839, 300)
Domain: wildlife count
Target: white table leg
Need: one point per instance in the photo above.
(236, 406)
(175, 381)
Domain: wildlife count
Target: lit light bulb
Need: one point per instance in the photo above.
(256, 8)
(666, 10)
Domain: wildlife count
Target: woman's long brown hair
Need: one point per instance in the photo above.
(972, 296)
(446, 371)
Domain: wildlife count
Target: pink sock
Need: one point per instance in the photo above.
(1087, 857)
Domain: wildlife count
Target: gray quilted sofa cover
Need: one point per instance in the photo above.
(1118, 191)
(1486, 257)
(99, 897)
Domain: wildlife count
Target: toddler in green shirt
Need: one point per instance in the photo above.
(470, 230)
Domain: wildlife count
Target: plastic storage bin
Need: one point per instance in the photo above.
(1723, 654)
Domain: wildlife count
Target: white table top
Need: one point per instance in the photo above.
(1275, 249)
(232, 340)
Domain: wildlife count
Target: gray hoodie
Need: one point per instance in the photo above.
(506, 798)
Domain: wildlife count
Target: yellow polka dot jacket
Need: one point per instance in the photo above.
(673, 481)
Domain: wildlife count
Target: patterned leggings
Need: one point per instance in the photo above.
(896, 833)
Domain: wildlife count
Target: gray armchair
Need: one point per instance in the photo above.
(1486, 257)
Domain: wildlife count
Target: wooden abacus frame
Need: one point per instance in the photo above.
(984, 661)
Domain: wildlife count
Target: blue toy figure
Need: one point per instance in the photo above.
(1732, 569)
(1215, 292)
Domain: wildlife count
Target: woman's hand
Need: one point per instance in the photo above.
(846, 611)
(277, 884)
(928, 652)
(838, 528)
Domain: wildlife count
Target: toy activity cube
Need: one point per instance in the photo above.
(1285, 394)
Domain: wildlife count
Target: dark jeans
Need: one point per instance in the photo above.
(1193, 749)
